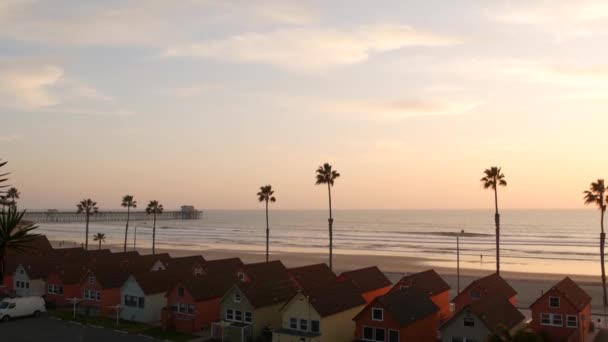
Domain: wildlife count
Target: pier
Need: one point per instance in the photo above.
(55, 216)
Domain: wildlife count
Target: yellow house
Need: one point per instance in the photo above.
(323, 314)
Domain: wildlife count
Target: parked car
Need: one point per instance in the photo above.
(20, 307)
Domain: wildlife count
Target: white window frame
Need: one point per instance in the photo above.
(318, 323)
(91, 280)
(575, 321)
(559, 302)
(241, 276)
(381, 314)
(237, 297)
(98, 296)
(303, 327)
(393, 330)
(236, 319)
(293, 320)
(376, 337)
(548, 318)
(363, 333)
(551, 319)
(471, 319)
(229, 315)
(248, 320)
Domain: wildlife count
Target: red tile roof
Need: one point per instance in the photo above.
(265, 293)
(334, 298)
(493, 285)
(312, 276)
(405, 306)
(571, 292)
(208, 286)
(428, 281)
(366, 279)
(266, 271)
(159, 281)
(229, 265)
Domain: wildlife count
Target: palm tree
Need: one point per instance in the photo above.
(154, 208)
(3, 186)
(493, 178)
(13, 194)
(325, 175)
(128, 202)
(88, 207)
(100, 237)
(14, 235)
(266, 195)
(595, 195)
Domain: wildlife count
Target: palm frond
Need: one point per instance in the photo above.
(13, 233)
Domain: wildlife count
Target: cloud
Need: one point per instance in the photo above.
(400, 109)
(9, 137)
(311, 49)
(27, 87)
(562, 19)
(284, 13)
(193, 90)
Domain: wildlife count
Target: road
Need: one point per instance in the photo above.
(46, 329)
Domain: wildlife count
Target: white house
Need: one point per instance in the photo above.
(143, 295)
(29, 280)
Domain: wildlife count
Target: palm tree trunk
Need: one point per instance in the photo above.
(497, 221)
(267, 232)
(86, 239)
(127, 227)
(602, 244)
(330, 222)
(2, 265)
(154, 235)
(99, 245)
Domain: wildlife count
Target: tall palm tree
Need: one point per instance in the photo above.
(3, 186)
(266, 195)
(13, 195)
(595, 195)
(325, 175)
(14, 235)
(128, 202)
(492, 179)
(154, 208)
(88, 207)
(100, 237)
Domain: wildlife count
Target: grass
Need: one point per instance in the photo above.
(126, 326)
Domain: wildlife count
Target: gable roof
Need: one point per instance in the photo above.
(498, 314)
(208, 286)
(312, 276)
(405, 306)
(571, 292)
(428, 281)
(366, 279)
(266, 271)
(36, 267)
(222, 265)
(265, 293)
(108, 275)
(69, 272)
(494, 285)
(157, 281)
(185, 262)
(144, 263)
(334, 298)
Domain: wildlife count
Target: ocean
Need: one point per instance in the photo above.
(545, 241)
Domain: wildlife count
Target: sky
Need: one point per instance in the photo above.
(203, 101)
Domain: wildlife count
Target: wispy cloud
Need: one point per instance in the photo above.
(27, 87)
(311, 49)
(193, 90)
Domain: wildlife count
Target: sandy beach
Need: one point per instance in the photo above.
(528, 285)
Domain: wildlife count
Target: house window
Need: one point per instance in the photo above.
(314, 326)
(293, 323)
(571, 321)
(50, 289)
(91, 280)
(174, 307)
(475, 294)
(304, 324)
(198, 271)
(27, 284)
(545, 319)
(98, 296)
(469, 322)
(557, 320)
(393, 336)
(241, 276)
(368, 333)
(237, 297)
(229, 315)
(377, 314)
(248, 317)
(180, 291)
(130, 301)
(190, 309)
(87, 294)
(554, 302)
(21, 271)
(379, 332)
(238, 316)
(140, 302)
(181, 307)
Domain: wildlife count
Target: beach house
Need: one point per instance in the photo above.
(63, 283)
(399, 316)
(37, 246)
(323, 314)
(253, 309)
(481, 320)
(193, 302)
(310, 277)
(370, 281)
(143, 295)
(491, 286)
(29, 278)
(101, 285)
(563, 312)
(433, 285)
(193, 264)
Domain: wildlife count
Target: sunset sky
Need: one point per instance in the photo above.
(201, 102)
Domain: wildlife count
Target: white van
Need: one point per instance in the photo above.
(19, 307)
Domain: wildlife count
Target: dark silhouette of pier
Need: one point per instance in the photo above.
(55, 216)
